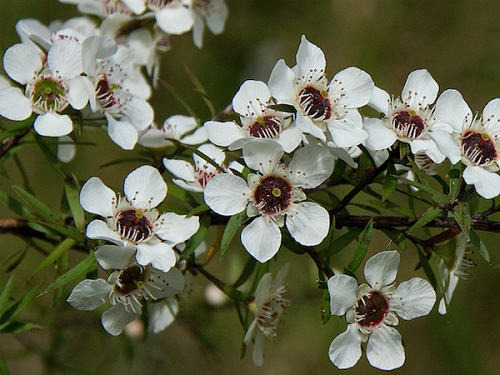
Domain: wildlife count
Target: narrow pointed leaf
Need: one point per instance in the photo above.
(231, 228)
(40, 208)
(72, 191)
(362, 248)
(427, 218)
(61, 249)
(196, 240)
(4, 296)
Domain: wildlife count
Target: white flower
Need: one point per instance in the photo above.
(101, 8)
(195, 177)
(273, 195)
(268, 308)
(52, 82)
(372, 312)
(116, 91)
(181, 128)
(213, 13)
(474, 141)
(258, 121)
(320, 105)
(408, 119)
(133, 219)
(458, 269)
(126, 288)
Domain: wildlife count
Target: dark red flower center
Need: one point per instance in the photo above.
(315, 103)
(273, 195)
(266, 127)
(130, 279)
(104, 94)
(371, 309)
(407, 124)
(479, 148)
(133, 225)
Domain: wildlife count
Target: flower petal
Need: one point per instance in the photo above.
(310, 60)
(89, 294)
(487, 184)
(22, 63)
(145, 187)
(116, 318)
(385, 349)
(353, 86)
(382, 268)
(227, 194)
(224, 133)
(308, 223)
(114, 257)
(420, 89)
(282, 83)
(180, 168)
(380, 101)
(379, 136)
(345, 349)
(342, 289)
(261, 238)
(262, 155)
(160, 255)
(413, 298)
(14, 105)
(97, 198)
(311, 166)
(98, 229)
(162, 314)
(177, 228)
(174, 20)
(452, 109)
(251, 99)
(123, 133)
(52, 124)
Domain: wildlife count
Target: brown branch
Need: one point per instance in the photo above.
(8, 143)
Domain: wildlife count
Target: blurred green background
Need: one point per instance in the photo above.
(457, 41)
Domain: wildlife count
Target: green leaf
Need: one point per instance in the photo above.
(362, 248)
(425, 219)
(3, 367)
(15, 309)
(424, 263)
(232, 226)
(66, 231)
(390, 182)
(479, 245)
(61, 249)
(435, 195)
(15, 129)
(15, 206)
(197, 238)
(388, 205)
(397, 236)
(198, 210)
(72, 191)
(40, 208)
(18, 327)
(247, 271)
(325, 307)
(72, 274)
(4, 296)
(342, 242)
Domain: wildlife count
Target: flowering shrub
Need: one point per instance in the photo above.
(301, 166)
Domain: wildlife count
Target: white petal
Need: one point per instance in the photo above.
(66, 149)
(251, 99)
(195, 187)
(306, 125)
(165, 284)
(135, 6)
(22, 63)
(224, 133)
(261, 238)
(487, 184)
(65, 57)
(116, 318)
(145, 186)
(217, 17)
(212, 152)
(429, 147)
(177, 228)
(89, 294)
(98, 229)
(421, 88)
(446, 145)
(112, 257)
(308, 223)
(382, 268)
(347, 131)
(160, 255)
(174, 20)
(379, 136)
(385, 349)
(227, 194)
(353, 86)
(78, 95)
(282, 83)
(197, 137)
(263, 289)
(162, 314)
(97, 198)
(14, 105)
(345, 350)
(180, 168)
(139, 112)
(258, 349)
(413, 298)
(310, 58)
(262, 155)
(380, 101)
(452, 109)
(290, 138)
(53, 125)
(342, 289)
(311, 166)
(123, 133)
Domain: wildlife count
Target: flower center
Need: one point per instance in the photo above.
(266, 127)
(47, 94)
(269, 313)
(409, 125)
(479, 148)
(273, 195)
(205, 173)
(130, 279)
(133, 225)
(104, 94)
(115, 7)
(371, 309)
(315, 103)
